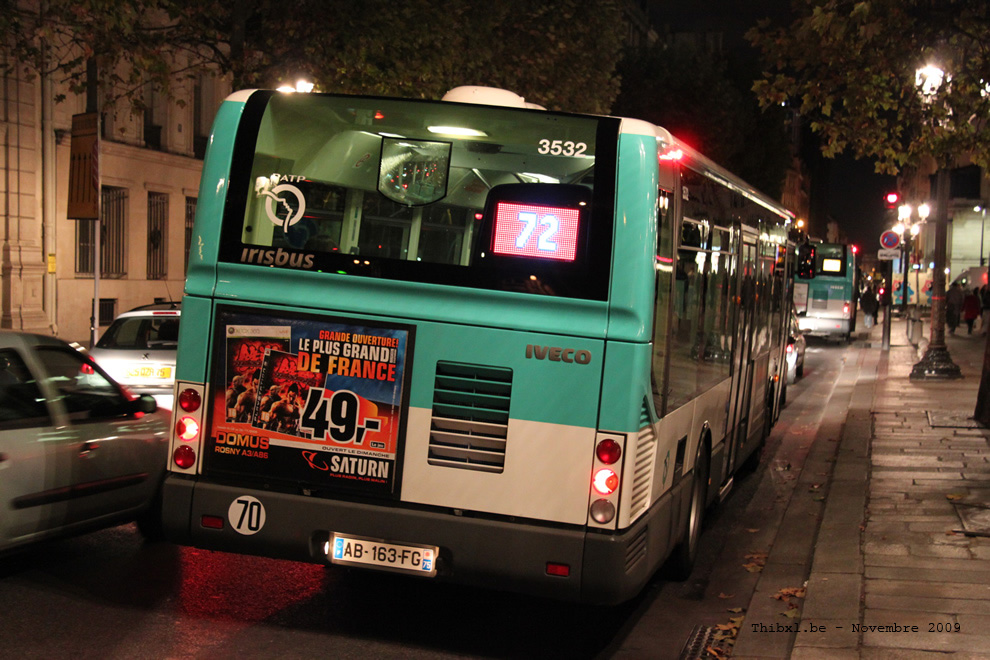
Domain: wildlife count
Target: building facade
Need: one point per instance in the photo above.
(149, 172)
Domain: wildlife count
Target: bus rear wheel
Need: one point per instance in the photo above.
(684, 555)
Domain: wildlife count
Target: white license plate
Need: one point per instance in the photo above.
(417, 559)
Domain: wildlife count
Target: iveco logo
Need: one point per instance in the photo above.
(555, 354)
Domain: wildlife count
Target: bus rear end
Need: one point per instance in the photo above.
(824, 290)
(394, 344)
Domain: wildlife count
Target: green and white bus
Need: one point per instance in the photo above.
(825, 288)
(469, 340)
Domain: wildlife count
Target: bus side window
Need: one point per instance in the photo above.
(662, 301)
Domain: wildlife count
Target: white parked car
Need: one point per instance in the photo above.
(77, 451)
(138, 350)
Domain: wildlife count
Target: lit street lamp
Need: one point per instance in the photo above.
(936, 362)
(908, 230)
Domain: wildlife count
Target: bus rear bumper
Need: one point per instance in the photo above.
(493, 553)
(824, 327)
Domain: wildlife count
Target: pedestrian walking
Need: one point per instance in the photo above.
(954, 298)
(985, 304)
(868, 303)
(971, 309)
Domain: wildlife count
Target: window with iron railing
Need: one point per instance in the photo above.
(190, 220)
(108, 310)
(157, 236)
(113, 228)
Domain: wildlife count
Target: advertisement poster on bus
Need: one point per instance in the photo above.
(312, 400)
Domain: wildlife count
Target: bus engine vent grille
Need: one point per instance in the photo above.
(470, 419)
(643, 459)
(636, 550)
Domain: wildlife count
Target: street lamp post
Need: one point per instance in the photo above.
(903, 228)
(936, 362)
(907, 229)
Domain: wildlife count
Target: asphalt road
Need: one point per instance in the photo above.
(111, 595)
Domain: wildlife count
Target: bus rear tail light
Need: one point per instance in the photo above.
(608, 451)
(187, 427)
(189, 400)
(845, 310)
(606, 480)
(184, 457)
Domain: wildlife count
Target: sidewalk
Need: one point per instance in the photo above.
(890, 577)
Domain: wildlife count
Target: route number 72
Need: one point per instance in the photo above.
(549, 225)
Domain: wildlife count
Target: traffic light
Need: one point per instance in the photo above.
(892, 199)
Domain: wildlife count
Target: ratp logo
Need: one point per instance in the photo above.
(285, 204)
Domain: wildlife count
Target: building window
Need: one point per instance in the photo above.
(113, 226)
(114, 219)
(108, 310)
(154, 118)
(200, 128)
(190, 219)
(84, 246)
(157, 236)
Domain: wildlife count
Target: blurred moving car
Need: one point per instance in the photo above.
(138, 350)
(77, 452)
(796, 344)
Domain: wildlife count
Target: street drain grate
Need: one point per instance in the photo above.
(695, 647)
(959, 420)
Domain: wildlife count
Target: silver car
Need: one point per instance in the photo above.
(77, 452)
(138, 350)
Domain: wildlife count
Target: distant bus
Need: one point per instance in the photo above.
(825, 288)
(471, 342)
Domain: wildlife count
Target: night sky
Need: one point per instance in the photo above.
(843, 189)
(854, 199)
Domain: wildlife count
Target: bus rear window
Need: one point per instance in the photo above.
(399, 190)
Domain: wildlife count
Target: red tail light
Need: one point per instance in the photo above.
(608, 451)
(790, 348)
(184, 457)
(189, 400)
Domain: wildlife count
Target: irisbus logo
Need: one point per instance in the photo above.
(557, 354)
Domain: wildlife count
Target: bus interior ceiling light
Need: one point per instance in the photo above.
(462, 131)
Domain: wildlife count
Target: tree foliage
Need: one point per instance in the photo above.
(849, 67)
(559, 53)
(707, 103)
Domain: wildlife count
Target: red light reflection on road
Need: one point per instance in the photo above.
(238, 588)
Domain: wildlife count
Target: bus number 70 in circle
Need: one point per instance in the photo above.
(530, 220)
(336, 417)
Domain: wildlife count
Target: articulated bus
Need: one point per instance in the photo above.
(825, 290)
(469, 340)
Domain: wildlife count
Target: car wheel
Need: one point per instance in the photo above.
(799, 372)
(684, 555)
